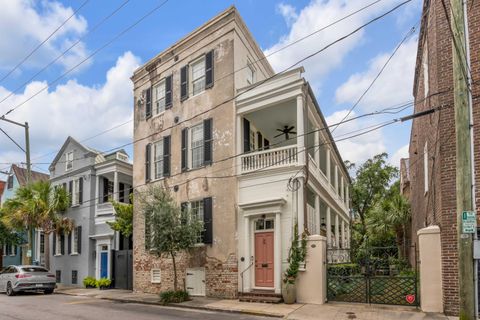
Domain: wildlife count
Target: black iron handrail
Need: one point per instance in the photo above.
(246, 269)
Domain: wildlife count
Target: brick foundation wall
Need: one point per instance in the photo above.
(438, 205)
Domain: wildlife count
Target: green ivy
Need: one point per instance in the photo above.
(296, 256)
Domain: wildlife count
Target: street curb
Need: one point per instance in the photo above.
(248, 312)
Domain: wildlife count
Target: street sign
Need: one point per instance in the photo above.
(469, 222)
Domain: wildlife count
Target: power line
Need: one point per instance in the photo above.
(409, 33)
(13, 140)
(65, 51)
(44, 41)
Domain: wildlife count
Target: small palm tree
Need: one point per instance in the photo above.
(36, 206)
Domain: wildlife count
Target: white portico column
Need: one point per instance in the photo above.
(300, 206)
(317, 147)
(277, 282)
(238, 144)
(248, 255)
(343, 234)
(115, 186)
(300, 130)
(337, 238)
(97, 189)
(329, 228)
(317, 216)
(328, 166)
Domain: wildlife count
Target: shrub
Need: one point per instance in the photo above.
(104, 283)
(90, 282)
(172, 296)
(344, 269)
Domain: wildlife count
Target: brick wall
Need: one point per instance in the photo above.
(438, 205)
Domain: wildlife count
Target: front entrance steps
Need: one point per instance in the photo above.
(265, 296)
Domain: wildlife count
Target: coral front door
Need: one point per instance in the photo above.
(264, 259)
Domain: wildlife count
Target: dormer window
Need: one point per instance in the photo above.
(69, 160)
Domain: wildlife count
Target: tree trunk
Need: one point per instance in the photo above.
(29, 245)
(175, 280)
(46, 249)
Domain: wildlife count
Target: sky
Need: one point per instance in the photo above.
(88, 90)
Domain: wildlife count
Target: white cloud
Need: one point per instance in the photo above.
(288, 12)
(360, 148)
(38, 21)
(399, 154)
(392, 87)
(73, 109)
(314, 16)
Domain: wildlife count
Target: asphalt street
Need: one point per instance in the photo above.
(33, 306)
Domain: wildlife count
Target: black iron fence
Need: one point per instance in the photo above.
(377, 275)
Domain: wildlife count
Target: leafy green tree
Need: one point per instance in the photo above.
(123, 218)
(169, 230)
(370, 185)
(37, 205)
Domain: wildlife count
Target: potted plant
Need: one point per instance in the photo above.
(90, 282)
(296, 257)
(104, 283)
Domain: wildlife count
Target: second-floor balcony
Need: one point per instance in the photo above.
(267, 159)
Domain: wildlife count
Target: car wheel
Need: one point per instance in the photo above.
(49, 291)
(9, 290)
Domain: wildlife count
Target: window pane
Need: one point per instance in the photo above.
(268, 224)
(198, 76)
(197, 146)
(158, 159)
(197, 213)
(260, 224)
(159, 97)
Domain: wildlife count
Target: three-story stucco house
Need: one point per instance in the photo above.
(91, 178)
(246, 149)
(17, 254)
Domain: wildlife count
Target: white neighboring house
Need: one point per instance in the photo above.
(91, 178)
(285, 179)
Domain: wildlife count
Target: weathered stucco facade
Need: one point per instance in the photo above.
(232, 48)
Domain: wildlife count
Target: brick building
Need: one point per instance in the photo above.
(432, 154)
(208, 128)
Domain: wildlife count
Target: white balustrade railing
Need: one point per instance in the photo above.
(105, 208)
(272, 158)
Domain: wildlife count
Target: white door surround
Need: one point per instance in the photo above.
(269, 209)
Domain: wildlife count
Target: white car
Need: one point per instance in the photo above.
(14, 279)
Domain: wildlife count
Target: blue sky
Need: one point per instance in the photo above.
(97, 95)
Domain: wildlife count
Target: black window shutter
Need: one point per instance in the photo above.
(207, 141)
(184, 83)
(246, 135)
(148, 103)
(54, 243)
(105, 189)
(148, 148)
(147, 233)
(168, 92)
(70, 190)
(209, 69)
(207, 235)
(121, 192)
(80, 190)
(166, 156)
(260, 140)
(184, 149)
(62, 244)
(69, 243)
(79, 239)
(266, 144)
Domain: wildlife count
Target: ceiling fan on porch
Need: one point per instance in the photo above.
(286, 131)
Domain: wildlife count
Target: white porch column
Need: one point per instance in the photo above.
(343, 233)
(347, 197)
(300, 207)
(277, 282)
(329, 228)
(97, 189)
(342, 194)
(248, 256)
(317, 147)
(318, 218)
(115, 186)
(328, 165)
(337, 238)
(300, 130)
(335, 184)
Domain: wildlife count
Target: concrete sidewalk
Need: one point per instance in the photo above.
(330, 311)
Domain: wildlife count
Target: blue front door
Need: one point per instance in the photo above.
(104, 265)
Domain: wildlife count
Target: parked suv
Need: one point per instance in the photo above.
(14, 279)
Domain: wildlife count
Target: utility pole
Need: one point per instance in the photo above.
(463, 161)
(27, 145)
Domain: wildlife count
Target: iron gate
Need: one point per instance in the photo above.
(372, 275)
(123, 269)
